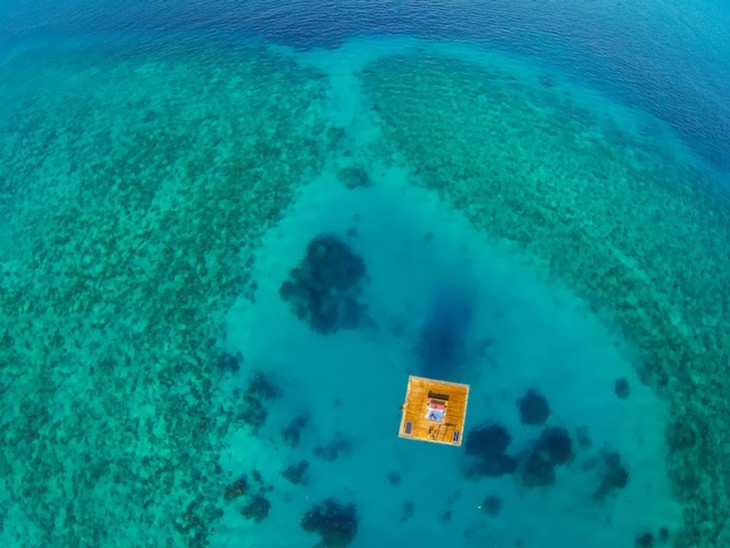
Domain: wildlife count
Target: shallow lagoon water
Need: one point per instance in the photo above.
(521, 230)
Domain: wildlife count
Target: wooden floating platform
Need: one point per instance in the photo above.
(434, 411)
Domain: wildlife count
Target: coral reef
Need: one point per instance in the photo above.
(407, 512)
(554, 448)
(257, 510)
(251, 409)
(252, 412)
(229, 363)
(537, 471)
(297, 474)
(491, 505)
(236, 489)
(621, 388)
(335, 523)
(292, 434)
(261, 387)
(488, 445)
(323, 289)
(614, 476)
(534, 408)
(338, 447)
(583, 437)
(144, 179)
(353, 177)
(645, 540)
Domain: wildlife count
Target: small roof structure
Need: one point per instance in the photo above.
(434, 411)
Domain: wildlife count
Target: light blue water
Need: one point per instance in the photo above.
(537, 195)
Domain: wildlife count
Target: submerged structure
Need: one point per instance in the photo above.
(434, 411)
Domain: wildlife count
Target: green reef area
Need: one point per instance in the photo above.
(639, 233)
(134, 183)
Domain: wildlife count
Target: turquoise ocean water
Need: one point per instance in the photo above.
(229, 233)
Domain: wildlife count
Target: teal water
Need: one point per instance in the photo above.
(157, 382)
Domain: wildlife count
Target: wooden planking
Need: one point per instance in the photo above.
(414, 410)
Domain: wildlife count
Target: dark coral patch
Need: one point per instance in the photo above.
(556, 446)
(537, 471)
(297, 474)
(335, 523)
(253, 412)
(492, 505)
(621, 388)
(324, 289)
(236, 489)
(262, 387)
(229, 363)
(257, 510)
(534, 408)
(353, 177)
(292, 434)
(338, 447)
(488, 445)
(614, 476)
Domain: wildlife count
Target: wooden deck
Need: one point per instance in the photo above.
(414, 423)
